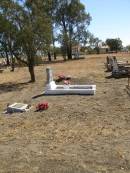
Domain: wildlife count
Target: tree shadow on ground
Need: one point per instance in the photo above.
(37, 96)
(107, 71)
(109, 77)
(9, 87)
(119, 77)
(62, 61)
(54, 62)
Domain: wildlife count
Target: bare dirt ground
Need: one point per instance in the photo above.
(77, 134)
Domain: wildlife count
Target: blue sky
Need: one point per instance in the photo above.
(110, 19)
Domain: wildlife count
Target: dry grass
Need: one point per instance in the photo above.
(86, 134)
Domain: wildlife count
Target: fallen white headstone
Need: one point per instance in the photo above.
(53, 89)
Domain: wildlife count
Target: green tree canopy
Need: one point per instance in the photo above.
(73, 20)
(114, 44)
(27, 27)
(128, 47)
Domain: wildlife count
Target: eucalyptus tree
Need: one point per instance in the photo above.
(128, 47)
(114, 44)
(30, 29)
(73, 21)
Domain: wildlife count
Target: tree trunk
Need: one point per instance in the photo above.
(7, 61)
(49, 56)
(32, 74)
(53, 41)
(12, 64)
(55, 55)
(12, 67)
(69, 52)
(7, 58)
(63, 50)
(68, 45)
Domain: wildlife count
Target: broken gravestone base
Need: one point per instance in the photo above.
(17, 107)
(53, 89)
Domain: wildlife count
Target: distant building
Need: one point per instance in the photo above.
(76, 51)
(103, 48)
